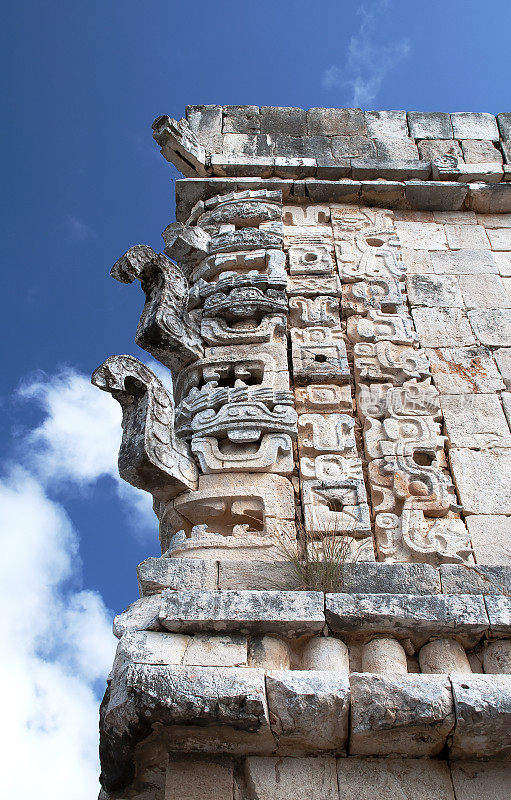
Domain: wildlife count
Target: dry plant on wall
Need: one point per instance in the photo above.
(318, 559)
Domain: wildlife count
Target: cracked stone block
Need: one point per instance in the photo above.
(434, 290)
(473, 780)
(461, 370)
(503, 361)
(291, 778)
(483, 717)
(395, 779)
(199, 779)
(421, 235)
(280, 612)
(407, 715)
(201, 650)
(492, 326)
(429, 125)
(500, 238)
(480, 579)
(476, 151)
(155, 574)
(489, 293)
(473, 125)
(498, 607)
(206, 123)
(309, 710)
(482, 479)
(442, 327)
(406, 616)
(464, 262)
(431, 149)
(475, 420)
(503, 262)
(336, 121)
(465, 237)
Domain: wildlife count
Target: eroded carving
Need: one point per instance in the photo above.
(306, 312)
(319, 355)
(411, 536)
(331, 433)
(384, 361)
(377, 327)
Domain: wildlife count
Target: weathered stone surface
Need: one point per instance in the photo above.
(421, 235)
(269, 652)
(471, 125)
(385, 361)
(155, 574)
(477, 151)
(391, 579)
(498, 607)
(414, 617)
(204, 650)
(142, 615)
(482, 479)
(444, 656)
(206, 123)
(461, 370)
(309, 710)
(490, 293)
(431, 149)
(480, 579)
(396, 779)
(325, 653)
(336, 121)
(256, 575)
(352, 147)
(384, 655)
(287, 613)
(204, 779)
(491, 538)
(429, 125)
(287, 121)
(291, 778)
(497, 657)
(442, 327)
(464, 262)
(473, 780)
(323, 398)
(409, 715)
(492, 326)
(483, 717)
(241, 119)
(475, 420)
(434, 290)
(503, 361)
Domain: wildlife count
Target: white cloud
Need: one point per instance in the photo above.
(77, 230)
(368, 60)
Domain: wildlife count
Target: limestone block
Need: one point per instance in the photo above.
(485, 198)
(399, 435)
(498, 607)
(142, 615)
(286, 613)
(331, 433)
(332, 467)
(475, 420)
(386, 124)
(503, 360)
(396, 779)
(431, 149)
(461, 370)
(344, 147)
(291, 778)
(376, 327)
(325, 653)
(457, 218)
(463, 237)
(241, 119)
(312, 259)
(384, 400)
(247, 239)
(269, 652)
(483, 717)
(204, 779)
(217, 331)
(429, 125)
(323, 398)
(249, 208)
(248, 145)
(273, 452)
(478, 579)
(336, 121)
(185, 244)
(421, 235)
(373, 256)
(309, 710)
(256, 575)
(414, 617)
(206, 124)
(204, 650)
(406, 715)
(434, 290)
(506, 405)
(306, 215)
(497, 657)
(473, 780)
(418, 262)
(307, 311)
(391, 578)
(399, 484)
(154, 647)
(482, 479)
(240, 544)
(319, 356)
(500, 238)
(180, 145)
(384, 361)
(317, 147)
(442, 327)
(384, 655)
(480, 151)
(313, 285)
(492, 326)
(472, 125)
(337, 506)
(464, 262)
(412, 535)
(155, 574)
(444, 656)
(490, 293)
(292, 121)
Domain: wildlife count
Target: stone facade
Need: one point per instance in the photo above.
(331, 612)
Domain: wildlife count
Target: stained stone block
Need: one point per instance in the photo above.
(319, 356)
(323, 398)
(407, 715)
(473, 780)
(497, 657)
(414, 617)
(391, 579)
(384, 655)
(155, 574)
(483, 717)
(503, 361)
(336, 121)
(204, 779)
(475, 420)
(464, 237)
(480, 152)
(256, 575)
(203, 650)
(478, 579)
(291, 778)
(352, 147)
(325, 653)
(436, 195)
(309, 710)
(444, 656)
(269, 652)
(487, 293)
(498, 607)
(490, 198)
(206, 123)
(317, 147)
(386, 124)
(429, 125)
(421, 235)
(396, 779)
(384, 361)
(431, 149)
(492, 326)
(256, 145)
(434, 290)
(461, 370)
(504, 123)
(282, 120)
(241, 119)
(482, 479)
(471, 125)
(401, 151)
(464, 262)
(280, 612)
(442, 327)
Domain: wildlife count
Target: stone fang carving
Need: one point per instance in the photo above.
(382, 294)
(377, 327)
(271, 328)
(151, 457)
(273, 452)
(380, 400)
(402, 436)
(399, 482)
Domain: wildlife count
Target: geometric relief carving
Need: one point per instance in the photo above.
(333, 433)
(218, 331)
(411, 536)
(319, 356)
(331, 467)
(399, 482)
(384, 361)
(310, 259)
(360, 261)
(379, 400)
(336, 506)
(307, 311)
(269, 262)
(313, 285)
(151, 457)
(306, 215)
(242, 211)
(400, 435)
(272, 453)
(381, 294)
(324, 398)
(377, 327)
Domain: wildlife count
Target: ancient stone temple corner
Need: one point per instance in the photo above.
(330, 616)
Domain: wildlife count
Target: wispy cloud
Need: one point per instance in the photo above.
(368, 60)
(77, 230)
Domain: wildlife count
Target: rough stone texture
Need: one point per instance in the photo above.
(442, 327)
(497, 657)
(444, 656)
(473, 780)
(409, 715)
(475, 420)
(269, 652)
(490, 293)
(498, 607)
(325, 653)
(204, 779)
(429, 125)
(155, 574)
(142, 615)
(491, 538)
(462, 370)
(483, 717)
(464, 262)
(489, 468)
(287, 613)
(396, 779)
(492, 326)
(503, 361)
(291, 778)
(384, 655)
(309, 710)
(256, 575)
(480, 579)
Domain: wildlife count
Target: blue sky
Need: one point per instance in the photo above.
(85, 181)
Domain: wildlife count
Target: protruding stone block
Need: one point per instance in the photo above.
(325, 653)
(384, 655)
(483, 717)
(444, 656)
